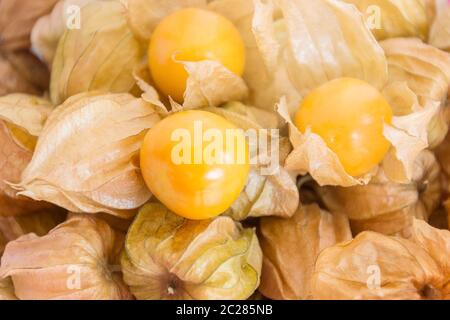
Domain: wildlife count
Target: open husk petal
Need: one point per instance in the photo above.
(22, 118)
(17, 19)
(86, 158)
(168, 257)
(385, 206)
(271, 190)
(286, 60)
(77, 260)
(376, 266)
(79, 66)
(396, 18)
(291, 247)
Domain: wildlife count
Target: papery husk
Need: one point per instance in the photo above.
(21, 120)
(48, 29)
(39, 223)
(439, 36)
(169, 257)
(396, 18)
(114, 222)
(209, 83)
(407, 134)
(17, 19)
(271, 193)
(291, 247)
(77, 260)
(144, 15)
(99, 56)
(7, 290)
(22, 72)
(376, 266)
(387, 207)
(286, 58)
(86, 158)
(424, 68)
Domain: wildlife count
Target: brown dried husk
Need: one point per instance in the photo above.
(387, 207)
(396, 18)
(169, 257)
(80, 66)
(86, 158)
(21, 120)
(39, 223)
(376, 266)
(17, 19)
(291, 247)
(77, 260)
(439, 36)
(22, 72)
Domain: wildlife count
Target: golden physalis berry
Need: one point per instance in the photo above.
(196, 163)
(192, 35)
(349, 115)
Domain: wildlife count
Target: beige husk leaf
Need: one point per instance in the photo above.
(424, 68)
(376, 266)
(307, 44)
(77, 260)
(439, 36)
(270, 190)
(21, 120)
(22, 72)
(7, 290)
(396, 18)
(48, 29)
(407, 134)
(86, 158)
(17, 19)
(291, 247)
(168, 257)
(209, 83)
(387, 207)
(81, 66)
(144, 15)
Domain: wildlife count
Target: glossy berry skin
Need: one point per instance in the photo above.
(192, 35)
(178, 171)
(349, 115)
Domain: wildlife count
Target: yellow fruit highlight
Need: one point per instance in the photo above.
(192, 35)
(196, 163)
(349, 115)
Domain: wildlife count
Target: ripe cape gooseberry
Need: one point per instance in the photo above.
(196, 163)
(192, 35)
(349, 114)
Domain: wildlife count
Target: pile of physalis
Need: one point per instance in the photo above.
(224, 149)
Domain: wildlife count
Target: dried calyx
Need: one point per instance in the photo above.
(375, 266)
(76, 260)
(168, 257)
(385, 206)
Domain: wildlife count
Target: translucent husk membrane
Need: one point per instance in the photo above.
(86, 158)
(107, 66)
(291, 247)
(76, 260)
(376, 266)
(169, 257)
